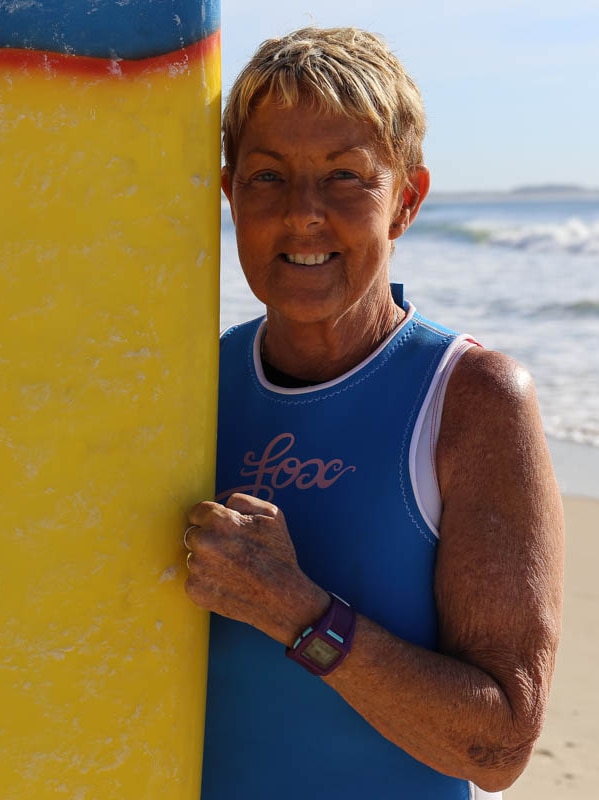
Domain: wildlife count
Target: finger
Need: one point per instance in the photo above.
(246, 504)
(206, 513)
(186, 535)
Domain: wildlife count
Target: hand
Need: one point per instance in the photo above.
(242, 564)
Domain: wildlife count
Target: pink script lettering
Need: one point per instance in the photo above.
(275, 469)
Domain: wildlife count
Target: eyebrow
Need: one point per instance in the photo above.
(345, 150)
(260, 151)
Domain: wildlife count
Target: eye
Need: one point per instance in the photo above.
(344, 175)
(267, 176)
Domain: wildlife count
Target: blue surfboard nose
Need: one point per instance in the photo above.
(115, 29)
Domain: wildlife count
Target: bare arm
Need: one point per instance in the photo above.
(474, 709)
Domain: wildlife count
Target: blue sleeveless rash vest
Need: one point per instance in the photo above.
(335, 459)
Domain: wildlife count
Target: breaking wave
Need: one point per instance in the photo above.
(574, 235)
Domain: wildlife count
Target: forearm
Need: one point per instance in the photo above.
(444, 712)
(473, 712)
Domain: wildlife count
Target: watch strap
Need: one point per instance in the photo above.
(322, 646)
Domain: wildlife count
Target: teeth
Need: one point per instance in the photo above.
(308, 261)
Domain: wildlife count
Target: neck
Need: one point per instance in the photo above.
(315, 353)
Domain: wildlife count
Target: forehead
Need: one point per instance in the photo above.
(273, 127)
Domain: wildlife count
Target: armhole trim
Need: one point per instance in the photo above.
(423, 447)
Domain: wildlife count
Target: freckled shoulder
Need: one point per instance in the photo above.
(490, 413)
(486, 374)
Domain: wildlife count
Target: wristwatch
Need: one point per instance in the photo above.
(324, 645)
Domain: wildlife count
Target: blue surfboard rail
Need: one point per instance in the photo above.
(113, 29)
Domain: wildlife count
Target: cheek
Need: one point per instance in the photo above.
(257, 204)
(375, 229)
(253, 254)
(251, 234)
(373, 213)
(252, 225)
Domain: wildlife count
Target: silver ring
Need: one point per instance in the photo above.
(189, 555)
(190, 528)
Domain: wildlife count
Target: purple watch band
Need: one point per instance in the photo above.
(321, 647)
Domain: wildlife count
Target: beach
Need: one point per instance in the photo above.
(565, 764)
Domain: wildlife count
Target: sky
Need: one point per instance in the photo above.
(511, 87)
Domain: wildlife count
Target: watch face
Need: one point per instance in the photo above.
(321, 653)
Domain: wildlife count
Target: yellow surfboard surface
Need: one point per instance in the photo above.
(109, 236)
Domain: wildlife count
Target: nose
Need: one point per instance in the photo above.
(304, 207)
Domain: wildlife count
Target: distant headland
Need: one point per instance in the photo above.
(525, 193)
(553, 188)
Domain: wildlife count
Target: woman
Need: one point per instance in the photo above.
(368, 454)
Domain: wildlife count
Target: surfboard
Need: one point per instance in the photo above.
(109, 239)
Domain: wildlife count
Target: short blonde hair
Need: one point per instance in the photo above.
(343, 71)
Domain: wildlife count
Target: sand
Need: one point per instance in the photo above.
(565, 763)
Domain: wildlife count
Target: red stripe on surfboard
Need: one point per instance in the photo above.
(57, 63)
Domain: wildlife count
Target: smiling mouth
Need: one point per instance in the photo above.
(308, 260)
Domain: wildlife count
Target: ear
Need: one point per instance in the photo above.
(226, 184)
(413, 194)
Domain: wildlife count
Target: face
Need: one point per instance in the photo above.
(314, 204)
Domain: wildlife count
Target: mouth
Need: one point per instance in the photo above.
(307, 260)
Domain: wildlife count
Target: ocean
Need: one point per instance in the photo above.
(518, 271)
